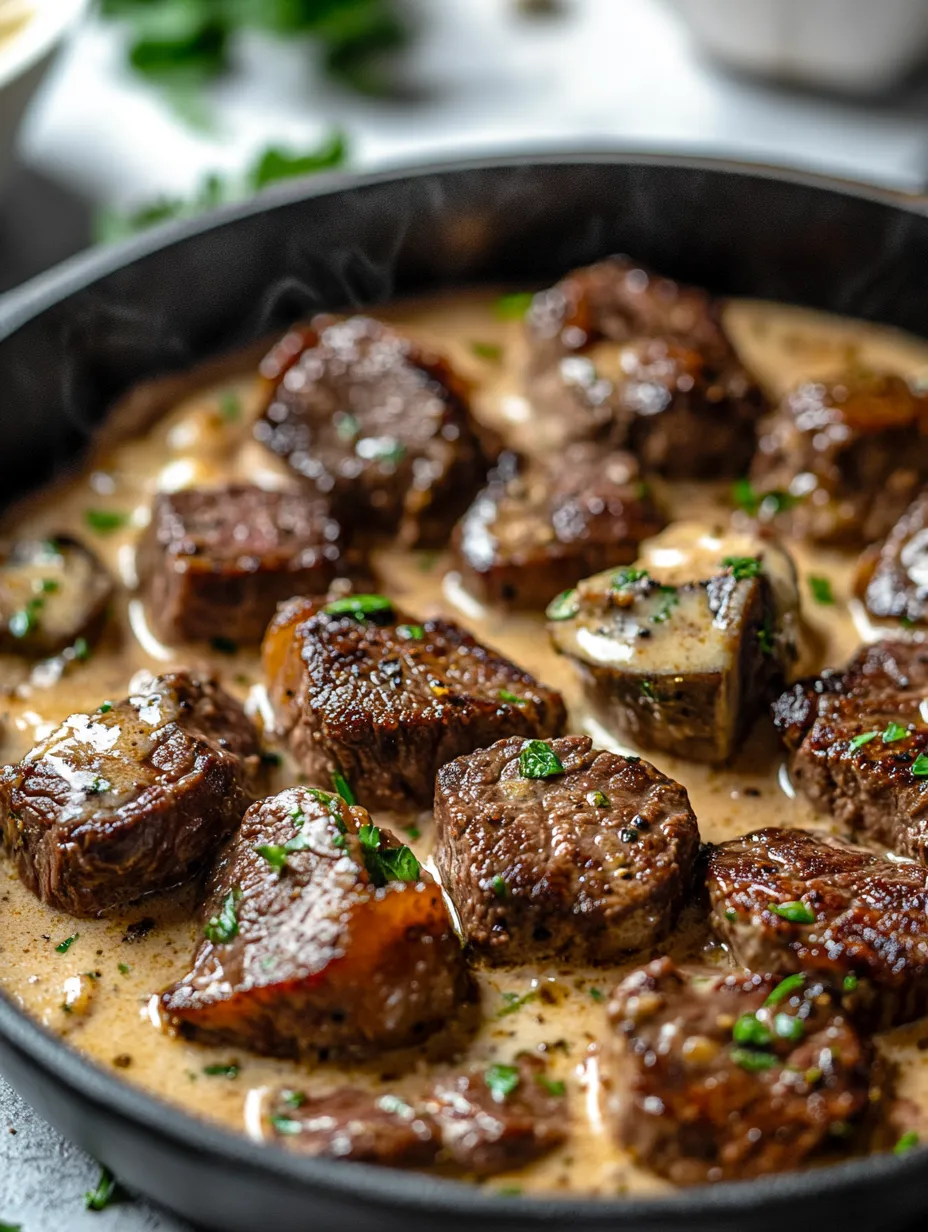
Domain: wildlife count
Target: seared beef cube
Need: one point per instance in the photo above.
(497, 1118)
(840, 462)
(729, 1077)
(892, 578)
(554, 849)
(480, 1120)
(350, 1123)
(133, 798)
(537, 530)
(384, 702)
(52, 592)
(620, 355)
(788, 900)
(858, 744)
(383, 427)
(220, 560)
(682, 657)
(321, 932)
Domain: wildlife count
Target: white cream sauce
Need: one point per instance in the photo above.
(97, 992)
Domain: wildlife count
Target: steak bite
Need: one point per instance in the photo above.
(843, 460)
(480, 1120)
(791, 901)
(554, 849)
(364, 693)
(380, 425)
(858, 744)
(220, 560)
(892, 578)
(351, 1123)
(722, 1078)
(133, 798)
(682, 656)
(537, 529)
(621, 355)
(321, 933)
(52, 592)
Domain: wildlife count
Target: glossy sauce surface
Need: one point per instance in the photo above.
(93, 980)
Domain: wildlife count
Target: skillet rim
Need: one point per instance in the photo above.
(424, 1194)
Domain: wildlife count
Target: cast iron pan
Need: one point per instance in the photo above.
(73, 340)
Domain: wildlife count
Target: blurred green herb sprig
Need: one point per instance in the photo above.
(183, 45)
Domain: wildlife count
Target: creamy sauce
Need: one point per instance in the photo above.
(98, 990)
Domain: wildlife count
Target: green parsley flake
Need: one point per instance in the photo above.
(552, 1085)
(411, 633)
(286, 1126)
(751, 1031)
(920, 766)
(385, 864)
(538, 761)
(794, 912)
(500, 887)
(64, 946)
(513, 1002)
(230, 406)
(864, 738)
(514, 306)
(492, 352)
(628, 577)
(752, 1061)
(850, 983)
(223, 928)
(597, 799)
(669, 600)
(786, 988)
(502, 1080)
(275, 854)
(512, 699)
(294, 1099)
(99, 1199)
(788, 1027)
(906, 1142)
(893, 732)
(123, 968)
(361, 607)
(597, 994)
(105, 521)
(342, 788)
(767, 504)
(821, 591)
(221, 1071)
(106, 708)
(564, 606)
(742, 567)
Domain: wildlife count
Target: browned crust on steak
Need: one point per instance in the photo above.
(581, 866)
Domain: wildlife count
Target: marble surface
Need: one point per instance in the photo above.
(610, 72)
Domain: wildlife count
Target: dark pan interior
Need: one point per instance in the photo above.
(76, 338)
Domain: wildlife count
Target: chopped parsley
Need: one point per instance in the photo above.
(786, 988)
(920, 766)
(385, 864)
(564, 606)
(794, 912)
(502, 1080)
(99, 1199)
(597, 994)
(598, 799)
(765, 637)
(64, 946)
(342, 788)
(294, 1099)
(224, 645)
(752, 1061)
(669, 600)
(123, 968)
(647, 689)
(106, 708)
(628, 577)
(513, 699)
(751, 1031)
(223, 928)
(514, 306)
(412, 633)
(230, 407)
(906, 1142)
(742, 567)
(490, 351)
(850, 983)
(538, 761)
(821, 591)
(105, 521)
(513, 1002)
(361, 607)
(413, 831)
(500, 887)
(221, 1071)
(26, 619)
(81, 649)
(893, 732)
(275, 854)
(788, 1027)
(553, 1086)
(769, 504)
(864, 738)
(286, 1125)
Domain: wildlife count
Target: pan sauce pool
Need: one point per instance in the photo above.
(97, 991)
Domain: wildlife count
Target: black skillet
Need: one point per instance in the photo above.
(74, 339)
